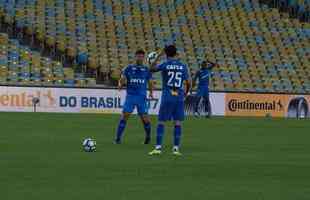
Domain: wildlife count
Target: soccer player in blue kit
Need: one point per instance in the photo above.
(203, 76)
(138, 77)
(174, 75)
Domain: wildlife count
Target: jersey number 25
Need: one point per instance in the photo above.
(175, 79)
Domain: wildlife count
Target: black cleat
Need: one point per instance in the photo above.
(117, 141)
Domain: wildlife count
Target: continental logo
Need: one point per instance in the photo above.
(24, 99)
(236, 105)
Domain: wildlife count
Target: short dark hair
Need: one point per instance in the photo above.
(140, 51)
(170, 51)
(204, 63)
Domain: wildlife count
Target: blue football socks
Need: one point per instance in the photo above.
(160, 134)
(120, 130)
(177, 135)
(147, 129)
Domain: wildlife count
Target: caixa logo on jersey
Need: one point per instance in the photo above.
(90, 102)
(137, 81)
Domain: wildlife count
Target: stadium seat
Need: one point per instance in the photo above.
(249, 40)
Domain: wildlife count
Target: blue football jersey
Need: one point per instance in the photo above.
(203, 76)
(137, 77)
(173, 72)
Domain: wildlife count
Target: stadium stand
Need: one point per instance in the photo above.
(258, 48)
(296, 8)
(20, 65)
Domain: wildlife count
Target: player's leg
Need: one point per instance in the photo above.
(196, 103)
(207, 105)
(159, 138)
(160, 131)
(177, 137)
(143, 113)
(178, 116)
(127, 110)
(165, 112)
(147, 127)
(121, 127)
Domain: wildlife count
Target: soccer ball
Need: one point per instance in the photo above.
(89, 145)
(151, 57)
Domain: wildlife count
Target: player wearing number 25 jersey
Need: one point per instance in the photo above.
(174, 75)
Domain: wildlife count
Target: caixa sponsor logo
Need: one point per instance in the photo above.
(137, 81)
(235, 105)
(90, 102)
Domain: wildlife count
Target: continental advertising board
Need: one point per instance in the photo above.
(275, 105)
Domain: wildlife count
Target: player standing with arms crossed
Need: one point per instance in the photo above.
(174, 74)
(137, 76)
(203, 76)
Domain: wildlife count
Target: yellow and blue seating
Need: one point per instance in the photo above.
(258, 48)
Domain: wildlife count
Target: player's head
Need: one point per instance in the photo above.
(171, 51)
(204, 65)
(140, 55)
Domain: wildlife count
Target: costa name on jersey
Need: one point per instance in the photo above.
(175, 67)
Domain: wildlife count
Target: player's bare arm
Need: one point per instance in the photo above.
(195, 80)
(153, 67)
(213, 64)
(187, 86)
(121, 82)
(151, 88)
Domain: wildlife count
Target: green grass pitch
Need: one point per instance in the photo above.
(223, 158)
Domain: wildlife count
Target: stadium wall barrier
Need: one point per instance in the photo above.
(73, 100)
(93, 100)
(78, 100)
